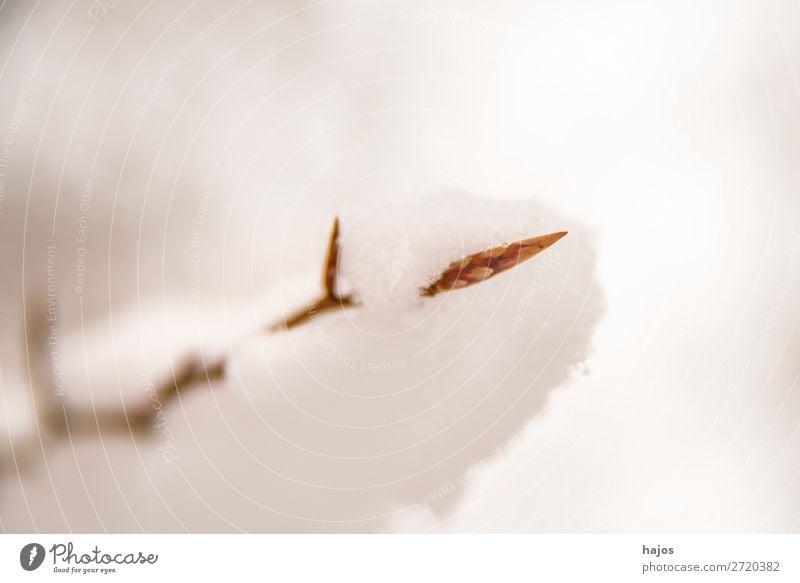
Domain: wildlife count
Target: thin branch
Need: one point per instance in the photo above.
(331, 300)
(313, 310)
(330, 272)
(58, 418)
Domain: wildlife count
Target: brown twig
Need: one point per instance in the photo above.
(331, 300)
(58, 418)
(303, 315)
(330, 274)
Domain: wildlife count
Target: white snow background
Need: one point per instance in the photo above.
(178, 169)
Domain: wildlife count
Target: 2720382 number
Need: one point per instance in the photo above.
(755, 566)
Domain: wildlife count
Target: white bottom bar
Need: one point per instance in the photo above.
(404, 558)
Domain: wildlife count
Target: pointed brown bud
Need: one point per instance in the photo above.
(485, 264)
